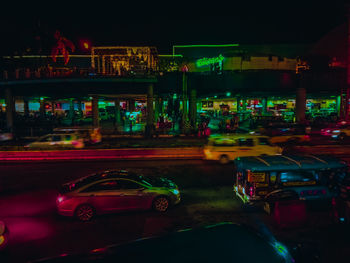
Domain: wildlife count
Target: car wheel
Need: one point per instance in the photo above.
(85, 212)
(161, 204)
(224, 159)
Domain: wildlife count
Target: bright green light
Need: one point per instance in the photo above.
(215, 96)
(174, 96)
(208, 61)
(207, 98)
(194, 46)
(180, 56)
(228, 94)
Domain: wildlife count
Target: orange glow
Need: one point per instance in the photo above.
(86, 45)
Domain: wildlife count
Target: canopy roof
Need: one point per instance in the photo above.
(288, 162)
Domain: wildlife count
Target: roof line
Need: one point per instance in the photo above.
(298, 163)
(319, 159)
(185, 46)
(262, 160)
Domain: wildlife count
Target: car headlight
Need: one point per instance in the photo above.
(175, 191)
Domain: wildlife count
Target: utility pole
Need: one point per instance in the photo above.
(184, 99)
(348, 68)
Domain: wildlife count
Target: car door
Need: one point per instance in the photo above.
(246, 147)
(56, 140)
(134, 194)
(43, 142)
(106, 196)
(263, 146)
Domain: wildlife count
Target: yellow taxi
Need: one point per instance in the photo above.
(226, 148)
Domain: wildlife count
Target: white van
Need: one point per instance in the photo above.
(226, 148)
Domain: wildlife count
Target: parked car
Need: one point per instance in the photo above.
(226, 148)
(4, 235)
(113, 191)
(58, 141)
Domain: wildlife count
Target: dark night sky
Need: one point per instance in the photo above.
(163, 24)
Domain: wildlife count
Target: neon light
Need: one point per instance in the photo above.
(228, 94)
(2, 240)
(208, 61)
(214, 46)
(180, 56)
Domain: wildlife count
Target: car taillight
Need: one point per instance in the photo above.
(251, 191)
(62, 198)
(334, 201)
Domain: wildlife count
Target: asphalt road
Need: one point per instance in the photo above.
(27, 205)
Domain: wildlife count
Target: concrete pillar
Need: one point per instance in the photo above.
(264, 105)
(300, 104)
(117, 111)
(71, 111)
(10, 109)
(131, 105)
(156, 108)
(95, 116)
(238, 99)
(80, 108)
(42, 107)
(338, 105)
(53, 107)
(184, 98)
(193, 108)
(347, 106)
(244, 107)
(150, 114)
(26, 107)
(161, 105)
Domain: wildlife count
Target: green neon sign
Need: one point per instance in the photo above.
(208, 61)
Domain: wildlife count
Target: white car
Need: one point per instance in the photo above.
(226, 148)
(58, 141)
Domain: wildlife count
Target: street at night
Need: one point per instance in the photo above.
(175, 132)
(28, 208)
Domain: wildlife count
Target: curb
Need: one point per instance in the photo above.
(103, 154)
